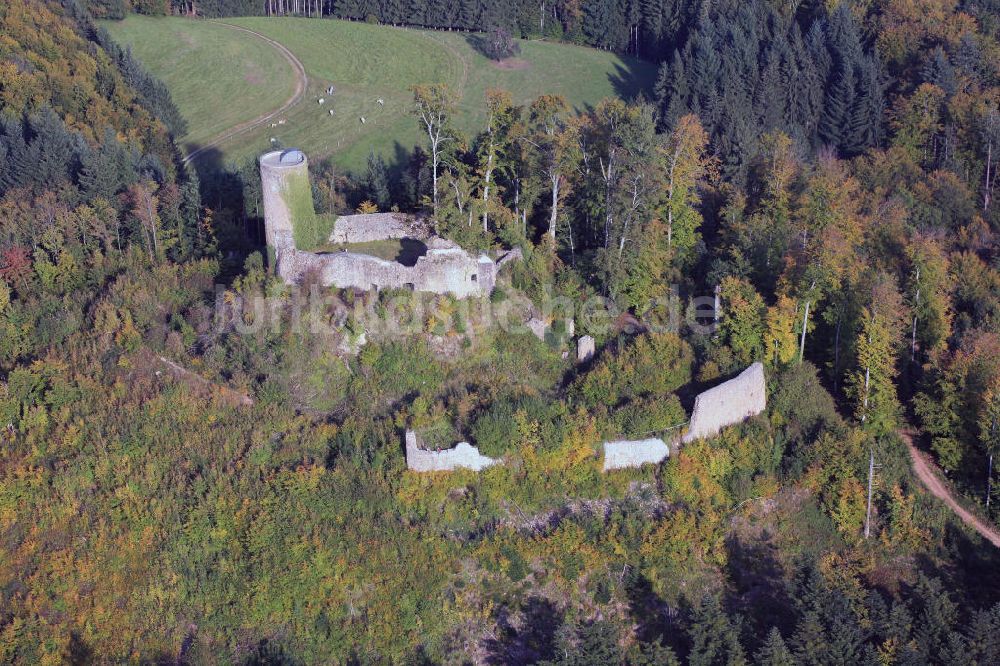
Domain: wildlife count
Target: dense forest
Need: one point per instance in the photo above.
(183, 480)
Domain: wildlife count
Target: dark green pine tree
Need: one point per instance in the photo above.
(935, 619)
(597, 644)
(956, 651)
(714, 639)
(704, 65)
(98, 175)
(968, 59)
(983, 635)
(847, 638)
(468, 14)
(774, 652)
(653, 653)
(13, 147)
(604, 25)
(653, 27)
(590, 644)
(377, 182)
(769, 97)
(199, 243)
(898, 625)
(843, 37)
(819, 55)
(866, 123)
(851, 118)
(835, 121)
(804, 101)
(393, 11)
(809, 642)
(939, 71)
(672, 92)
(52, 149)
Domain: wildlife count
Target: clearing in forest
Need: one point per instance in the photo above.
(218, 77)
(364, 63)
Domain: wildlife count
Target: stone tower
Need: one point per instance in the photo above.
(282, 172)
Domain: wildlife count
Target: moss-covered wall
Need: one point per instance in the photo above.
(309, 229)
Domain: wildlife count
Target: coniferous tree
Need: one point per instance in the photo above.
(377, 182)
(714, 638)
(774, 652)
(935, 619)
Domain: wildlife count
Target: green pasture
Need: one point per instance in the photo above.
(364, 63)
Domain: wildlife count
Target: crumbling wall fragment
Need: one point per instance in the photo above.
(634, 453)
(728, 403)
(462, 455)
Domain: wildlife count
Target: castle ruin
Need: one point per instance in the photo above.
(634, 453)
(441, 266)
(728, 403)
(462, 455)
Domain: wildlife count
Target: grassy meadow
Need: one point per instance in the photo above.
(365, 63)
(219, 77)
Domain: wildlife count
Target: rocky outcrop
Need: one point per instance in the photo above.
(462, 456)
(728, 403)
(634, 453)
(584, 349)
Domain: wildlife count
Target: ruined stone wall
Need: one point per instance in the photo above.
(439, 271)
(462, 455)
(444, 269)
(634, 453)
(362, 228)
(728, 403)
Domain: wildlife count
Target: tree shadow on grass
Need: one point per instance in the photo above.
(633, 79)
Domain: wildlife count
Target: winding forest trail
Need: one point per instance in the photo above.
(925, 471)
(301, 83)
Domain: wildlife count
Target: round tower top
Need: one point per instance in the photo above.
(283, 158)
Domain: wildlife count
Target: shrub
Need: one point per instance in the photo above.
(499, 44)
(495, 431)
(645, 417)
(801, 404)
(654, 365)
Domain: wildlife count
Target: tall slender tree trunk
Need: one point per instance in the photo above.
(987, 185)
(871, 473)
(517, 196)
(868, 377)
(554, 211)
(913, 332)
(486, 189)
(802, 340)
(434, 187)
(836, 354)
(989, 481)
